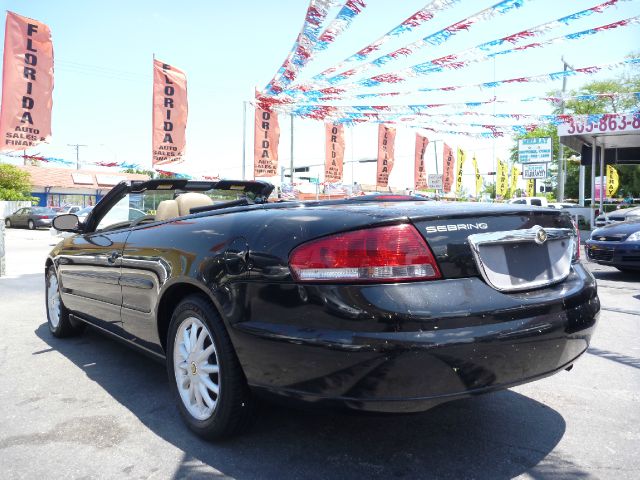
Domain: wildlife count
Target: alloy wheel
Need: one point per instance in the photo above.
(53, 301)
(196, 368)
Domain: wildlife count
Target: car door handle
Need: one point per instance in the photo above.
(113, 256)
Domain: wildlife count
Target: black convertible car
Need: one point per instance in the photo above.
(377, 306)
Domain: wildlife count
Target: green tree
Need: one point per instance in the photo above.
(149, 173)
(15, 184)
(627, 82)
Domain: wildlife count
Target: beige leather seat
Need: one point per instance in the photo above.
(167, 209)
(190, 200)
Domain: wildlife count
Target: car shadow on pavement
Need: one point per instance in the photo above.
(500, 435)
(615, 357)
(616, 276)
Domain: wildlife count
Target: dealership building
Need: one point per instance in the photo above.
(56, 187)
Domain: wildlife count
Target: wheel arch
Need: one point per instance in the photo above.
(49, 263)
(169, 298)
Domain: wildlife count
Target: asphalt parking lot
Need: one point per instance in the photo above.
(90, 408)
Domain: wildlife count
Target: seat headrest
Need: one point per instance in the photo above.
(167, 209)
(190, 200)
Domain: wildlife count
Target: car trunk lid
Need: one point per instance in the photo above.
(506, 248)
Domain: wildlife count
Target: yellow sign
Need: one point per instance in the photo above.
(612, 181)
(502, 184)
(515, 171)
(462, 156)
(531, 187)
(478, 177)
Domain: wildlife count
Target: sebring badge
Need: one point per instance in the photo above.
(541, 236)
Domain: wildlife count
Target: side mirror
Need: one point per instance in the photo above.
(67, 222)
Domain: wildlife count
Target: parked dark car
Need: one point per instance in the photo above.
(30, 217)
(375, 306)
(617, 245)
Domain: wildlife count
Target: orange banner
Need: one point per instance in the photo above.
(334, 152)
(386, 147)
(265, 147)
(170, 111)
(449, 163)
(27, 84)
(420, 170)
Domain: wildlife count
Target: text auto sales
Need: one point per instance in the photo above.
(25, 136)
(164, 152)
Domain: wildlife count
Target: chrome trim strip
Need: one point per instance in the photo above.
(535, 234)
(511, 236)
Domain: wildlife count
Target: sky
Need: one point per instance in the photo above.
(103, 75)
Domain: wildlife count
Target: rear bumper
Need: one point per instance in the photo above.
(42, 222)
(620, 254)
(410, 346)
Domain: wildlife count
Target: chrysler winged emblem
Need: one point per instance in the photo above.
(541, 236)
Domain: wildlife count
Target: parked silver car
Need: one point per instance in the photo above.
(30, 217)
(617, 216)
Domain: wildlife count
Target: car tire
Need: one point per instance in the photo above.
(60, 323)
(31, 224)
(233, 406)
(7, 223)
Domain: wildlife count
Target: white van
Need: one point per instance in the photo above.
(534, 201)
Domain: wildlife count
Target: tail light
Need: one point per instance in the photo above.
(383, 254)
(41, 217)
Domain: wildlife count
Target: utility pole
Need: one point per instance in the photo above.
(77, 147)
(244, 139)
(291, 160)
(561, 163)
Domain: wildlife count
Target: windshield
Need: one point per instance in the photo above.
(43, 211)
(160, 205)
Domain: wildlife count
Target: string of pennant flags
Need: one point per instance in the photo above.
(339, 94)
(62, 161)
(418, 18)
(304, 45)
(336, 95)
(351, 113)
(307, 110)
(466, 57)
(327, 96)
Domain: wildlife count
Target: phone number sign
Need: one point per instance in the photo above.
(618, 124)
(535, 150)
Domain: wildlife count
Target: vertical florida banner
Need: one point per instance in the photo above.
(502, 184)
(265, 143)
(478, 176)
(386, 151)
(449, 162)
(420, 172)
(612, 181)
(462, 156)
(334, 152)
(169, 113)
(27, 84)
